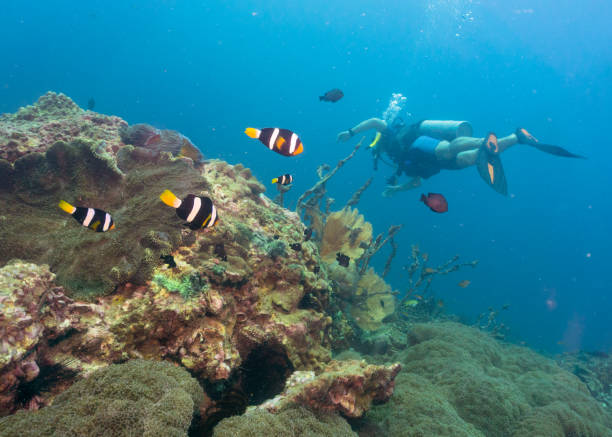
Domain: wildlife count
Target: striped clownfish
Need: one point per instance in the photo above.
(198, 212)
(285, 179)
(92, 218)
(282, 141)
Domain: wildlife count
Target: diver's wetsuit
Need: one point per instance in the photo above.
(414, 154)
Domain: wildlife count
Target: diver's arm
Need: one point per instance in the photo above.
(371, 123)
(390, 190)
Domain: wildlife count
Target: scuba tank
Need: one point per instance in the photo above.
(445, 129)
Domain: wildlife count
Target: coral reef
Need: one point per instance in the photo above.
(459, 381)
(142, 398)
(54, 117)
(420, 278)
(345, 231)
(295, 421)
(309, 203)
(595, 370)
(348, 387)
(233, 291)
(373, 301)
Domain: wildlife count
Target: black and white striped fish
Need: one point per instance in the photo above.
(198, 212)
(285, 179)
(282, 141)
(92, 218)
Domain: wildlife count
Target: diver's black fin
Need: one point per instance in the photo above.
(555, 150)
(491, 170)
(524, 137)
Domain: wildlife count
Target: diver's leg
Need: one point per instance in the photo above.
(447, 151)
(506, 142)
(466, 159)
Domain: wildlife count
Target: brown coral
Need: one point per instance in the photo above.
(345, 231)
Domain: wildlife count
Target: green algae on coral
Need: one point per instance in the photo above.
(187, 286)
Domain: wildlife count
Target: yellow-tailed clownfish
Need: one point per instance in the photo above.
(92, 218)
(285, 179)
(198, 212)
(282, 141)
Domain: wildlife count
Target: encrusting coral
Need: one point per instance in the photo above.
(138, 398)
(33, 310)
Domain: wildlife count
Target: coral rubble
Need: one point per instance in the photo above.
(348, 387)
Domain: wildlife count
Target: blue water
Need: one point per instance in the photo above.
(210, 69)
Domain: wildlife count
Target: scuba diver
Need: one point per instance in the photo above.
(422, 149)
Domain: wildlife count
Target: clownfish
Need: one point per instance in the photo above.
(92, 218)
(285, 179)
(282, 141)
(198, 212)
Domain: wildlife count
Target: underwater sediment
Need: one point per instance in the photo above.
(155, 326)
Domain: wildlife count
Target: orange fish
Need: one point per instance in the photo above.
(464, 283)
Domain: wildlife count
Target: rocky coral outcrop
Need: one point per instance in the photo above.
(348, 387)
(231, 291)
(33, 312)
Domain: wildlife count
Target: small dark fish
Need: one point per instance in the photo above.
(307, 234)
(276, 237)
(436, 202)
(331, 96)
(316, 269)
(92, 218)
(168, 259)
(198, 212)
(296, 246)
(285, 179)
(342, 259)
(382, 303)
(220, 251)
(282, 141)
(91, 103)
